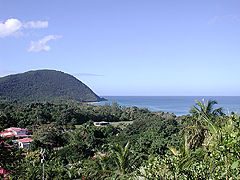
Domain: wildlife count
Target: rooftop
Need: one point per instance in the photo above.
(15, 129)
(24, 140)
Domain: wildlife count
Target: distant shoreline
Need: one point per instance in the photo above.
(179, 105)
(94, 102)
(91, 102)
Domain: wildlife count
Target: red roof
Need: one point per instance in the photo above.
(24, 140)
(5, 132)
(23, 135)
(15, 129)
(10, 134)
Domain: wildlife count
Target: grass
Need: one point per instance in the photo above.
(120, 124)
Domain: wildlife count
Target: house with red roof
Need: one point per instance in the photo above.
(23, 143)
(6, 134)
(16, 132)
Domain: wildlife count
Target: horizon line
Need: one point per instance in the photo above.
(171, 95)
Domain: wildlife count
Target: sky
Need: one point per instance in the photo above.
(127, 47)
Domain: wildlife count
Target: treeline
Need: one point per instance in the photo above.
(25, 115)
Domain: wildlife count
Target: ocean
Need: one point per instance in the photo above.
(179, 105)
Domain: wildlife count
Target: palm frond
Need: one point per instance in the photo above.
(173, 150)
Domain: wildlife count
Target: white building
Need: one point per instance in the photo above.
(102, 123)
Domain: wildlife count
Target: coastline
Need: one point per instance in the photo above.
(179, 105)
(94, 102)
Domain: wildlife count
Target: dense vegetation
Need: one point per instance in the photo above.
(44, 85)
(157, 145)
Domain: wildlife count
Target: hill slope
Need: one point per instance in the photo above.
(44, 85)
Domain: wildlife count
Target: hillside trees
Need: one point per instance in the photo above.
(44, 85)
(49, 136)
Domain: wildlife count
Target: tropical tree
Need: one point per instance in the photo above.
(211, 148)
(50, 136)
(203, 108)
(121, 157)
(206, 126)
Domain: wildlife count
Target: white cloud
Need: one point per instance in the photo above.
(13, 26)
(36, 24)
(10, 27)
(40, 45)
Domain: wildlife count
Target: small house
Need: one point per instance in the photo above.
(23, 143)
(16, 132)
(102, 123)
(6, 134)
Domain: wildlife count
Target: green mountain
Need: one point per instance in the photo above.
(44, 85)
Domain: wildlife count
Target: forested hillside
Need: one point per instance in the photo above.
(44, 85)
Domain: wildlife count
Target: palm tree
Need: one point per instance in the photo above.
(121, 157)
(115, 164)
(205, 127)
(205, 152)
(205, 110)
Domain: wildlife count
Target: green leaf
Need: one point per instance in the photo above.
(235, 165)
(174, 151)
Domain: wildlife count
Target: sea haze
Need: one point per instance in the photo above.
(179, 105)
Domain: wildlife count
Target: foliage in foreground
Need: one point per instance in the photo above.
(210, 150)
(205, 145)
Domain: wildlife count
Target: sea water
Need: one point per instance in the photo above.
(179, 105)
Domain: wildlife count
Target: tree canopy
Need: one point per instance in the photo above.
(156, 145)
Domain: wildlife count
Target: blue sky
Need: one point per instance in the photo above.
(127, 47)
